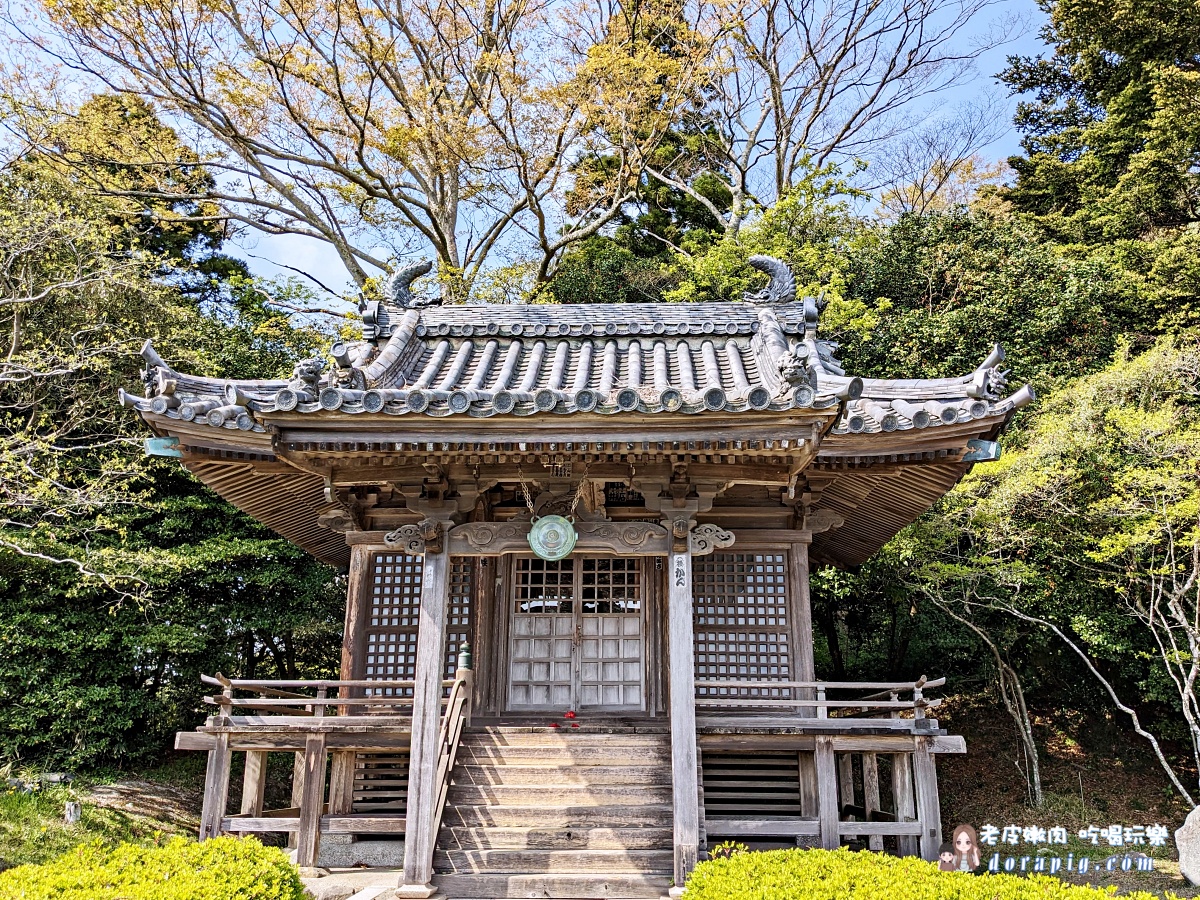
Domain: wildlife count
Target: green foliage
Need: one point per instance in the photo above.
(32, 830)
(812, 229)
(222, 869)
(600, 270)
(1112, 132)
(122, 578)
(836, 874)
(949, 286)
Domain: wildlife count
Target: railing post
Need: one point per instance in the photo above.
(827, 792)
(318, 708)
(928, 806)
(871, 797)
(426, 724)
(822, 711)
(466, 674)
(254, 783)
(312, 802)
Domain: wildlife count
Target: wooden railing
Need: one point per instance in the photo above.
(327, 698)
(811, 698)
(456, 717)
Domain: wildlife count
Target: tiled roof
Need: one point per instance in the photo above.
(664, 358)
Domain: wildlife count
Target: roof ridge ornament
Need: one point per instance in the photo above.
(782, 286)
(397, 294)
(397, 287)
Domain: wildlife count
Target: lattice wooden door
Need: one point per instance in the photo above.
(612, 668)
(543, 635)
(577, 635)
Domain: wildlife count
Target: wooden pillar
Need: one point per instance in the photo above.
(684, 781)
(827, 792)
(358, 611)
(845, 780)
(216, 788)
(254, 783)
(312, 802)
(426, 722)
(809, 795)
(358, 600)
(929, 811)
(846, 786)
(870, 766)
(902, 796)
(801, 613)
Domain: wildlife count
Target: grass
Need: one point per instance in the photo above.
(33, 829)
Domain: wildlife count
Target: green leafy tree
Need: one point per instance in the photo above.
(1112, 126)
(123, 577)
(1094, 514)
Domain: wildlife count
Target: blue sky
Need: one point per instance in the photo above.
(267, 254)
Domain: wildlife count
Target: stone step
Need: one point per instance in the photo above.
(554, 795)
(609, 886)
(560, 776)
(559, 815)
(552, 862)
(540, 837)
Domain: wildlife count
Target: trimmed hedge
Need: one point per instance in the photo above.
(222, 869)
(845, 875)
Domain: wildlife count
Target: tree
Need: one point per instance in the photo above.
(1112, 129)
(804, 83)
(938, 166)
(123, 578)
(1099, 505)
(376, 126)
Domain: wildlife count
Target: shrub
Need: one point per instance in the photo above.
(843, 875)
(221, 869)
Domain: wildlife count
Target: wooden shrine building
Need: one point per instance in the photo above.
(642, 686)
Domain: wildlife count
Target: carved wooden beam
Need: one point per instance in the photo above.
(706, 539)
(622, 538)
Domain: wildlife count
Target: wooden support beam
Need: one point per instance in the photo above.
(904, 799)
(845, 783)
(254, 782)
(216, 788)
(312, 802)
(297, 788)
(684, 781)
(870, 764)
(427, 697)
(358, 610)
(809, 802)
(341, 782)
(845, 780)
(929, 811)
(801, 611)
(358, 601)
(827, 792)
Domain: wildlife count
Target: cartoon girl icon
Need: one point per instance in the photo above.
(966, 849)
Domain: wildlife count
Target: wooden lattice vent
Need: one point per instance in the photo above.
(742, 631)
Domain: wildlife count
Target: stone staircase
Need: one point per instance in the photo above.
(577, 815)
